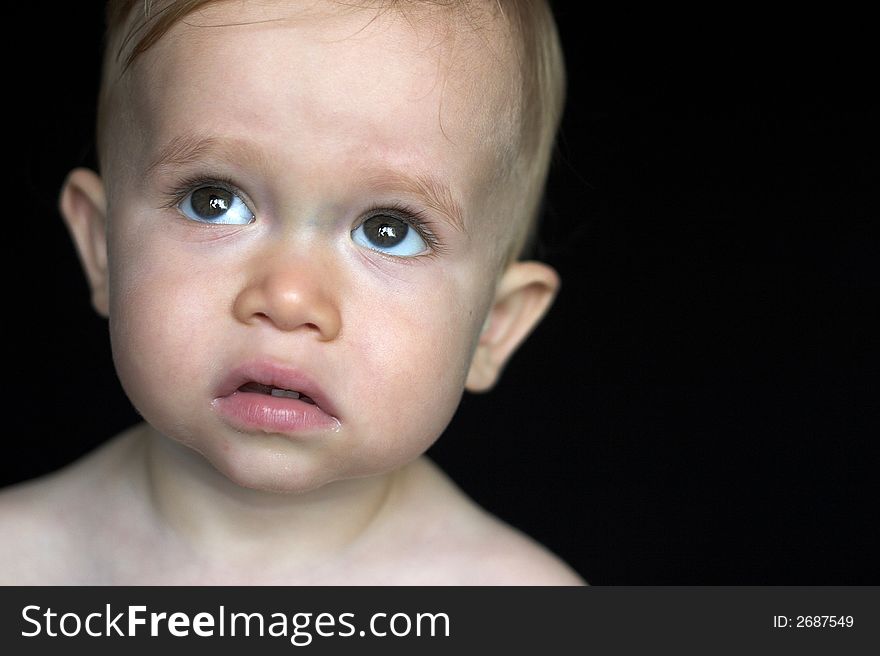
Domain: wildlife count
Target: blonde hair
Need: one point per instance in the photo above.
(134, 26)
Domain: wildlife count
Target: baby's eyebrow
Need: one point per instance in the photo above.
(432, 191)
(188, 148)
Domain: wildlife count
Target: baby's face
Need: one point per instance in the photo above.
(303, 201)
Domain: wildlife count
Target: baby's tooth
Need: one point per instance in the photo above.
(284, 393)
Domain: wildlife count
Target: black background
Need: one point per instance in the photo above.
(700, 406)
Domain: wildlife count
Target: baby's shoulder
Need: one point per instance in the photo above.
(36, 544)
(498, 554)
(52, 527)
(462, 544)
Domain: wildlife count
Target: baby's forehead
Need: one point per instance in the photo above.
(461, 52)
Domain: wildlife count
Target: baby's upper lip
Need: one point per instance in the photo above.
(273, 374)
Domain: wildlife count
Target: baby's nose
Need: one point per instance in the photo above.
(291, 296)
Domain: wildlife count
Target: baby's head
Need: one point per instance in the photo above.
(321, 199)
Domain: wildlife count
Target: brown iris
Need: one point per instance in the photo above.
(385, 231)
(211, 202)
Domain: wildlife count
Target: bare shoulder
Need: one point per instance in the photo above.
(466, 545)
(506, 556)
(48, 524)
(510, 557)
(35, 539)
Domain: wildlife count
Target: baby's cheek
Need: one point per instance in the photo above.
(157, 327)
(420, 360)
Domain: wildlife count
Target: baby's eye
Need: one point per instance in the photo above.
(212, 204)
(389, 234)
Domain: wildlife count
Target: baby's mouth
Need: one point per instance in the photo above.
(259, 388)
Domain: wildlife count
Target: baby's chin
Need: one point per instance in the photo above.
(277, 471)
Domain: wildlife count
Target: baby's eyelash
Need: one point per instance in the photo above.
(415, 218)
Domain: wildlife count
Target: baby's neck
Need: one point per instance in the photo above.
(205, 513)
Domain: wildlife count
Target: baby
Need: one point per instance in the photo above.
(306, 234)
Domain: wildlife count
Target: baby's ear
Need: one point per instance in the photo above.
(83, 205)
(524, 294)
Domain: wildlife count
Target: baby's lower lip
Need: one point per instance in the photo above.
(266, 413)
